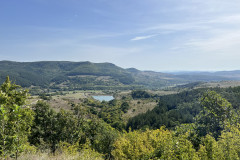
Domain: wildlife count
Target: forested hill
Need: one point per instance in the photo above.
(87, 75)
(80, 75)
(180, 108)
(48, 72)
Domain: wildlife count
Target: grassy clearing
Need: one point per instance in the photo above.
(64, 101)
(139, 106)
(45, 156)
(223, 84)
(85, 154)
(75, 97)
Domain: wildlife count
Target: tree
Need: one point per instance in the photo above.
(209, 148)
(229, 143)
(124, 107)
(216, 115)
(153, 144)
(15, 119)
(45, 125)
(101, 136)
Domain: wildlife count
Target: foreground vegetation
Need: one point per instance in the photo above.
(199, 124)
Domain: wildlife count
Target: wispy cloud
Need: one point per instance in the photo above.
(143, 37)
(224, 41)
(211, 34)
(205, 24)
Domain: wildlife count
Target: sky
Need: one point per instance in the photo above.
(158, 35)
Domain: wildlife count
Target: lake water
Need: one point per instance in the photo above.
(103, 98)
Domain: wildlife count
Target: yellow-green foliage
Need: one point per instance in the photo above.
(73, 151)
(153, 143)
(90, 154)
(68, 149)
(229, 143)
(29, 149)
(226, 148)
(133, 145)
(209, 148)
(183, 148)
(65, 151)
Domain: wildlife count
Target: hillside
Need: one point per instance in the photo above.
(79, 75)
(66, 75)
(209, 76)
(53, 73)
(180, 108)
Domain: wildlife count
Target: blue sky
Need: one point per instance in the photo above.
(159, 35)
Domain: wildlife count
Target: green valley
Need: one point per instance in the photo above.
(152, 116)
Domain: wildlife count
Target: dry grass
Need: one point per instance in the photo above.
(138, 107)
(64, 101)
(76, 97)
(46, 156)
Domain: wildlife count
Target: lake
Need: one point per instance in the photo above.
(103, 98)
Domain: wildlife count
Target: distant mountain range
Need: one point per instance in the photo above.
(87, 75)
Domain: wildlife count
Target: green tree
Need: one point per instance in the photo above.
(229, 143)
(216, 115)
(68, 128)
(45, 125)
(209, 148)
(124, 107)
(15, 119)
(101, 136)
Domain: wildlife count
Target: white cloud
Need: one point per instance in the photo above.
(143, 37)
(205, 24)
